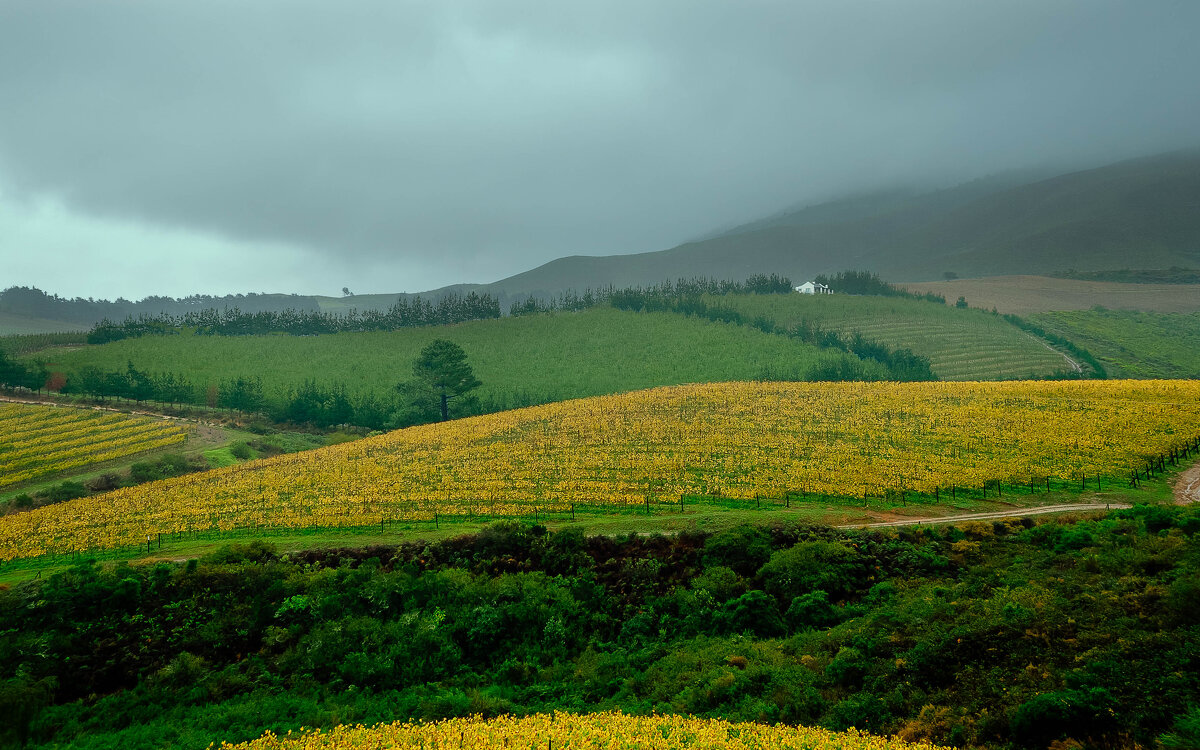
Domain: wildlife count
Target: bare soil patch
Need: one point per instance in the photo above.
(1034, 294)
(1187, 486)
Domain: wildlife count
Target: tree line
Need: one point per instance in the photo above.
(419, 312)
(865, 282)
(17, 374)
(441, 375)
(682, 295)
(312, 403)
(652, 298)
(33, 302)
(406, 313)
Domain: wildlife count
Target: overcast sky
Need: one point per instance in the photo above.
(208, 146)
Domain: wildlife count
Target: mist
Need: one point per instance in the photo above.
(303, 147)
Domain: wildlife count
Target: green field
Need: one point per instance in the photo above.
(1133, 344)
(961, 344)
(520, 360)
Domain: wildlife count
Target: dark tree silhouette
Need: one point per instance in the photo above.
(442, 370)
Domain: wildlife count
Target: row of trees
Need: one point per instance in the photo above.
(417, 311)
(866, 282)
(33, 302)
(17, 374)
(653, 298)
(406, 313)
(441, 377)
(312, 403)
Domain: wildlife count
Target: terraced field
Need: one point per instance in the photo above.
(40, 441)
(725, 440)
(961, 344)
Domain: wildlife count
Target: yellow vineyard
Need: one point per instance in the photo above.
(732, 440)
(604, 731)
(40, 441)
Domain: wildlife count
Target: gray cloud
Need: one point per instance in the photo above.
(468, 141)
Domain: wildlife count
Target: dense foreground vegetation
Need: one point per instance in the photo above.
(790, 442)
(997, 634)
(599, 731)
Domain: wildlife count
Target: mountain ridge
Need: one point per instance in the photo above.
(1142, 212)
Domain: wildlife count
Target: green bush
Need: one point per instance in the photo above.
(1077, 714)
(743, 549)
(812, 566)
(811, 610)
(753, 612)
(63, 492)
(1185, 734)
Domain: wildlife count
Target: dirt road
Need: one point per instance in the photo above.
(1187, 486)
(1014, 513)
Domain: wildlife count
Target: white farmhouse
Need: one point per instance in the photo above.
(812, 287)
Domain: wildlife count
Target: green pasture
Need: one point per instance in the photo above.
(521, 361)
(962, 344)
(1131, 343)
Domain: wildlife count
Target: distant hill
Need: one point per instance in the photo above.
(1137, 214)
(1143, 213)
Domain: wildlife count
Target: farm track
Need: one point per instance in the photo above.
(990, 515)
(1187, 486)
(1075, 366)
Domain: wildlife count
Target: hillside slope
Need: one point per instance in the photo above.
(1133, 344)
(960, 344)
(521, 361)
(1142, 213)
(660, 446)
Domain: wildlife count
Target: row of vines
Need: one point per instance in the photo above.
(37, 441)
(738, 441)
(561, 731)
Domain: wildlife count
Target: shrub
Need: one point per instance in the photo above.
(811, 610)
(1185, 735)
(104, 483)
(63, 492)
(721, 583)
(812, 566)
(753, 612)
(862, 711)
(1065, 713)
(744, 549)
